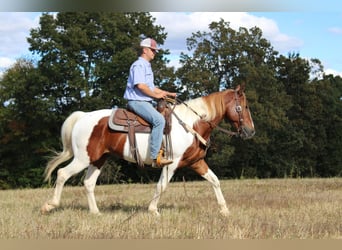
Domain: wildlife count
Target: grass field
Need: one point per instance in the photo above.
(260, 209)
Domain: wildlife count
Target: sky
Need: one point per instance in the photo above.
(314, 35)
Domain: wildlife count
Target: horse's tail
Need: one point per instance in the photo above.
(67, 152)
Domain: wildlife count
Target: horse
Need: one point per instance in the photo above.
(87, 138)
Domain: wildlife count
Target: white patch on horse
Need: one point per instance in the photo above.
(83, 130)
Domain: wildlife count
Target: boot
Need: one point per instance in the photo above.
(160, 161)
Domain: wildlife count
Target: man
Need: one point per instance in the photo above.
(140, 91)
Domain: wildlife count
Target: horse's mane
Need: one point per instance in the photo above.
(208, 107)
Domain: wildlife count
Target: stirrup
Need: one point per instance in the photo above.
(161, 161)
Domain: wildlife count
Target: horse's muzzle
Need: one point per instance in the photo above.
(246, 133)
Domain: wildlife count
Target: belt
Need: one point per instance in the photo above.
(141, 101)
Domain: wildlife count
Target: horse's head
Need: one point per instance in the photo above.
(238, 113)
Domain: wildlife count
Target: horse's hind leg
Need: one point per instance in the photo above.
(89, 184)
(63, 175)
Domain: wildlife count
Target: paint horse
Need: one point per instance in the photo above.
(87, 138)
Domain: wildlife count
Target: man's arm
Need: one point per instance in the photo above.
(157, 93)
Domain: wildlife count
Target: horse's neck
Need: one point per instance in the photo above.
(202, 110)
(190, 112)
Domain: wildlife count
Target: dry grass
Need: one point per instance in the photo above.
(260, 209)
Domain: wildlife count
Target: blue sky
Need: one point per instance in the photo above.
(320, 33)
(311, 34)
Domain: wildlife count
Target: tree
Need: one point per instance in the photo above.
(314, 114)
(223, 58)
(86, 56)
(27, 126)
(329, 124)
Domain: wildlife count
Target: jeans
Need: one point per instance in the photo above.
(151, 115)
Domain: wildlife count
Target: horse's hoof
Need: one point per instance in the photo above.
(46, 208)
(96, 213)
(154, 212)
(225, 213)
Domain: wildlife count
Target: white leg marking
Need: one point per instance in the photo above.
(164, 179)
(212, 178)
(63, 175)
(89, 184)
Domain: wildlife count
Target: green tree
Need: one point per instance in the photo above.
(310, 124)
(86, 56)
(24, 136)
(220, 59)
(329, 127)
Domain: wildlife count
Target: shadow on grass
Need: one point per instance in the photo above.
(116, 207)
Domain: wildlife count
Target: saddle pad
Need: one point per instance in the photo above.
(121, 118)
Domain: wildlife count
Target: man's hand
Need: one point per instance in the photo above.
(172, 94)
(156, 93)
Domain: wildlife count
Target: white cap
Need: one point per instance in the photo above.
(149, 43)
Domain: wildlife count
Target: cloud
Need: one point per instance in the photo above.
(14, 29)
(332, 72)
(181, 25)
(5, 61)
(335, 30)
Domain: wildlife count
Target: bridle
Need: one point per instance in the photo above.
(238, 109)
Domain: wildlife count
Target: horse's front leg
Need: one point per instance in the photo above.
(165, 177)
(201, 167)
(212, 178)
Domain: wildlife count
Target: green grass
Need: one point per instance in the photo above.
(260, 209)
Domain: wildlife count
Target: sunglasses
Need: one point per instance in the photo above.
(153, 50)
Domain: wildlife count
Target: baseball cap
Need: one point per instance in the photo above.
(149, 43)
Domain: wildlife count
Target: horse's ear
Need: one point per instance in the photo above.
(240, 88)
(243, 86)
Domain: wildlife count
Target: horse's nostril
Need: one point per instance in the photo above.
(247, 133)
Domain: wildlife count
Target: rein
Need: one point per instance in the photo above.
(228, 132)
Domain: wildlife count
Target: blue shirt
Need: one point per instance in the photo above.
(139, 72)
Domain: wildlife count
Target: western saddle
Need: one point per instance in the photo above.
(127, 121)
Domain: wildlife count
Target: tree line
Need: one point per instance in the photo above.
(82, 62)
